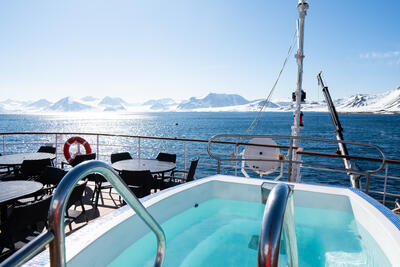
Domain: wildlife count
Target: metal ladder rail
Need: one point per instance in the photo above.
(277, 216)
(55, 234)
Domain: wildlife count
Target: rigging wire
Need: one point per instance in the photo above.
(258, 117)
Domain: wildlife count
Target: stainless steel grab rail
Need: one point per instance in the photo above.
(278, 214)
(57, 211)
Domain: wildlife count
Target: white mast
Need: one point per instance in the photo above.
(302, 7)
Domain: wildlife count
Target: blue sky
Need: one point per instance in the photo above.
(141, 50)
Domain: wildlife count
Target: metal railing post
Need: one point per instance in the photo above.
(4, 144)
(385, 183)
(290, 165)
(367, 181)
(61, 136)
(139, 147)
(56, 144)
(184, 155)
(236, 162)
(97, 146)
(219, 167)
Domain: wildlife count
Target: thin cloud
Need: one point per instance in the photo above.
(380, 55)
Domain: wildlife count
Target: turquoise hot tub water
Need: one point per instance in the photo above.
(222, 232)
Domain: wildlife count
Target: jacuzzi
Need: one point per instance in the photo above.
(216, 221)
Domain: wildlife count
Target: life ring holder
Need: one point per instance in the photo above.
(75, 140)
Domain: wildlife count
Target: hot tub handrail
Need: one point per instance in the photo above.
(271, 229)
(59, 203)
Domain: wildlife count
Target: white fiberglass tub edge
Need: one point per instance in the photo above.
(117, 228)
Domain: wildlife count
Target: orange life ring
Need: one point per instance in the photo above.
(75, 140)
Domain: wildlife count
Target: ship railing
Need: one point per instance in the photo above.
(292, 149)
(187, 148)
(368, 174)
(55, 235)
(135, 144)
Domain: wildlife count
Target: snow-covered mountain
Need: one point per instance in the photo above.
(89, 99)
(68, 104)
(162, 101)
(388, 102)
(161, 104)
(112, 101)
(112, 104)
(213, 100)
(40, 104)
(14, 105)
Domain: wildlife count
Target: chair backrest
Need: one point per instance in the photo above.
(51, 176)
(120, 156)
(192, 170)
(24, 216)
(166, 157)
(30, 168)
(76, 194)
(47, 149)
(81, 158)
(142, 179)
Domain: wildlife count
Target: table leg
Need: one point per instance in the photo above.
(3, 213)
(97, 194)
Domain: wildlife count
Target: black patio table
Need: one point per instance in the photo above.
(13, 160)
(13, 190)
(152, 165)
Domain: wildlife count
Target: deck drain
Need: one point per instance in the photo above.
(253, 244)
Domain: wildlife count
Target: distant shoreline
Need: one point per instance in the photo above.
(193, 111)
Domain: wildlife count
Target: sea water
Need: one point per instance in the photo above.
(222, 232)
(378, 129)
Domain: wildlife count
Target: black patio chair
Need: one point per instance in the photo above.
(32, 169)
(186, 176)
(23, 224)
(79, 159)
(160, 177)
(166, 157)
(138, 181)
(96, 178)
(4, 170)
(120, 156)
(102, 184)
(50, 178)
(47, 149)
(76, 198)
